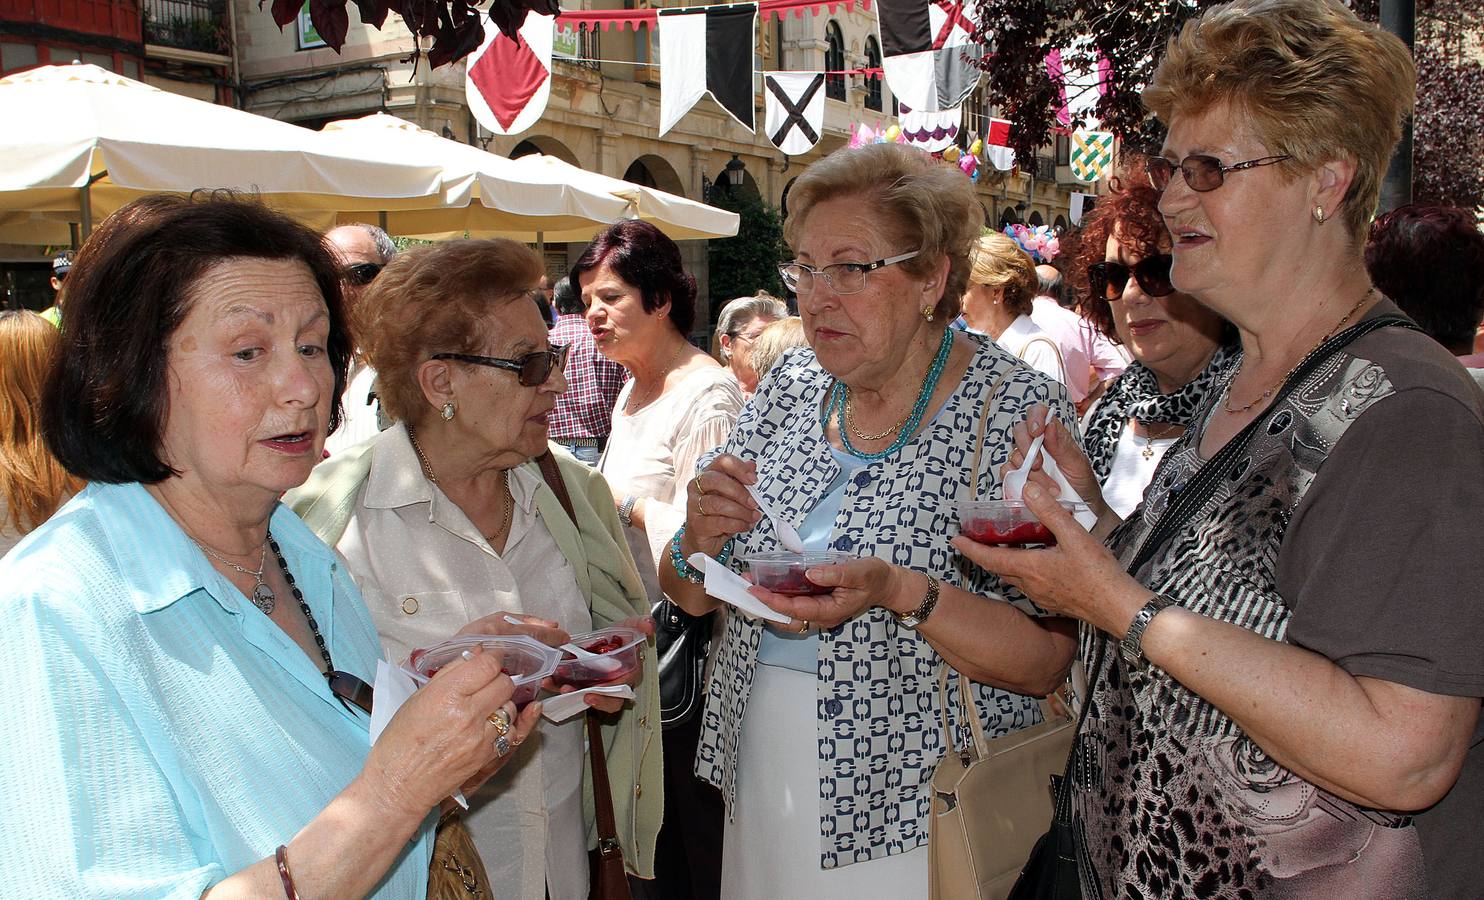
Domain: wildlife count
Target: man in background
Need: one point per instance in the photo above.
(583, 416)
(362, 251)
(1091, 359)
(61, 265)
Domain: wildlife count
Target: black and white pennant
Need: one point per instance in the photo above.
(793, 110)
(707, 50)
(928, 51)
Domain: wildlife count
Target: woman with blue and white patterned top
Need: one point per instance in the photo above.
(823, 734)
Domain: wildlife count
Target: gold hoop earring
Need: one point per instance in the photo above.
(448, 411)
(1319, 214)
(927, 313)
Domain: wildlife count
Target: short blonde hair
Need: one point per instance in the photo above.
(999, 262)
(1315, 82)
(776, 340)
(740, 313)
(924, 203)
(433, 299)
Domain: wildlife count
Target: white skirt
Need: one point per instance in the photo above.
(772, 845)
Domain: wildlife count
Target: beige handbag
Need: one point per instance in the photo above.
(991, 799)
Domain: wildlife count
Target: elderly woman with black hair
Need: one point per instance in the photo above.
(1284, 639)
(679, 405)
(178, 644)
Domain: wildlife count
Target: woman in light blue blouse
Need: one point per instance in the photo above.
(823, 734)
(177, 643)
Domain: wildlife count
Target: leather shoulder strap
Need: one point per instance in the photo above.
(553, 476)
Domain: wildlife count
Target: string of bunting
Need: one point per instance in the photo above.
(605, 19)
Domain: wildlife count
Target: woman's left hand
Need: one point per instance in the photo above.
(855, 586)
(616, 704)
(502, 623)
(1077, 577)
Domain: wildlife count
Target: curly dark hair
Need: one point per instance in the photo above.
(1132, 209)
(646, 258)
(1430, 260)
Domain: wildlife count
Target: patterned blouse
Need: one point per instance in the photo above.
(879, 731)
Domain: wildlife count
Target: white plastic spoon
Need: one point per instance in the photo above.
(788, 536)
(1015, 479)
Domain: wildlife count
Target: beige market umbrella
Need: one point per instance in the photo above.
(79, 142)
(534, 197)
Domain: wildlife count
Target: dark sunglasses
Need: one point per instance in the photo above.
(362, 274)
(532, 370)
(1201, 173)
(351, 690)
(1108, 279)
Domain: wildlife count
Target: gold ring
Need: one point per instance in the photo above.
(697, 482)
(699, 508)
(501, 720)
(804, 626)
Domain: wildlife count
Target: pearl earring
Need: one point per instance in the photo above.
(927, 313)
(448, 411)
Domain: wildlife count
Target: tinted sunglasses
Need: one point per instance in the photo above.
(362, 274)
(1201, 173)
(532, 370)
(350, 690)
(1108, 279)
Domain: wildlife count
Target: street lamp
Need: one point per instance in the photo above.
(735, 171)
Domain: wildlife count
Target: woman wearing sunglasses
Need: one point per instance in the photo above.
(1286, 689)
(1182, 351)
(450, 526)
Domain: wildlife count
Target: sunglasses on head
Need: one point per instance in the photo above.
(532, 369)
(1108, 279)
(1201, 173)
(362, 274)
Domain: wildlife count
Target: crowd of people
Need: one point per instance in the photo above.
(249, 462)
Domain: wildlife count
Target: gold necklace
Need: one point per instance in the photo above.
(862, 436)
(1226, 396)
(427, 468)
(1169, 430)
(631, 407)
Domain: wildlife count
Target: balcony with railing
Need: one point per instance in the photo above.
(195, 26)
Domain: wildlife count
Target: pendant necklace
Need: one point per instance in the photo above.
(262, 595)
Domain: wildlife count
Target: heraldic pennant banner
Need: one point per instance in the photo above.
(928, 52)
(793, 110)
(707, 50)
(508, 83)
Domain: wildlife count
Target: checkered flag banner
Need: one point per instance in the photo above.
(1092, 154)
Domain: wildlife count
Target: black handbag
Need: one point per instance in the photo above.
(683, 642)
(1052, 871)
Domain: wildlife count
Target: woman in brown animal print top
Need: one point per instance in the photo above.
(1294, 709)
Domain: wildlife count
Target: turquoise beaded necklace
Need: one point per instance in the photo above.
(840, 396)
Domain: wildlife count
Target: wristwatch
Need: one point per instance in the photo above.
(919, 615)
(626, 510)
(1131, 648)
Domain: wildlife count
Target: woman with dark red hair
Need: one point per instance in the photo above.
(678, 405)
(1182, 351)
(1430, 260)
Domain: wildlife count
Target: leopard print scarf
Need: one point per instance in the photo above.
(1136, 394)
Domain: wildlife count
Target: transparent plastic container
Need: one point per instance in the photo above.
(526, 660)
(1007, 522)
(782, 571)
(622, 650)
